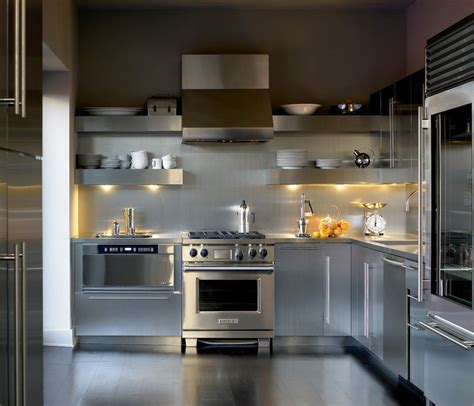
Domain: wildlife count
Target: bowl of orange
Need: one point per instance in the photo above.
(330, 227)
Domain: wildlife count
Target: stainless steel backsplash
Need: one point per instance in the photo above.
(218, 177)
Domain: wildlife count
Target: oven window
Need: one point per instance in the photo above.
(228, 295)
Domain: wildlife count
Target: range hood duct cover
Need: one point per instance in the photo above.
(226, 98)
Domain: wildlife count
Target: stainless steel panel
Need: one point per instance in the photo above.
(227, 115)
(416, 360)
(128, 271)
(395, 316)
(24, 225)
(220, 177)
(129, 177)
(225, 72)
(338, 290)
(299, 294)
(127, 314)
(262, 319)
(128, 124)
(448, 372)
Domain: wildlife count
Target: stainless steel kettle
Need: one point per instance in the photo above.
(245, 216)
(362, 159)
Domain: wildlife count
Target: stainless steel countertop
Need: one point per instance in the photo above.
(383, 243)
(157, 238)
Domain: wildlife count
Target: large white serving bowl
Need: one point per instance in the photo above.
(301, 109)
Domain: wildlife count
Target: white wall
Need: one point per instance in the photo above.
(56, 209)
(426, 18)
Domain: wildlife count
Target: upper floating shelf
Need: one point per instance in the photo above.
(340, 176)
(128, 124)
(173, 124)
(170, 177)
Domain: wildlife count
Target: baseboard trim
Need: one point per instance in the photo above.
(58, 338)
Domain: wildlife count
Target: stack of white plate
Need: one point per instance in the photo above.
(110, 163)
(88, 161)
(292, 158)
(112, 111)
(328, 163)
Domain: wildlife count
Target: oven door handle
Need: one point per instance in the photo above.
(228, 268)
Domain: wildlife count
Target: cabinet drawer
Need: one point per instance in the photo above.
(128, 314)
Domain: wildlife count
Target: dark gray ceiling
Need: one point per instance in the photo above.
(245, 4)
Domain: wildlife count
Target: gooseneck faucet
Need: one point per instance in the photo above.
(303, 222)
(407, 203)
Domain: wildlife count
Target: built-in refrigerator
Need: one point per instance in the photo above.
(446, 186)
(21, 365)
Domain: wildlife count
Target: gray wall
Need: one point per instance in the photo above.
(316, 56)
(218, 177)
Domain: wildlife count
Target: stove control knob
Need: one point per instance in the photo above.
(204, 252)
(239, 255)
(252, 252)
(193, 252)
(263, 252)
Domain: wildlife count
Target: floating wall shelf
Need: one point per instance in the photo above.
(129, 176)
(173, 124)
(128, 124)
(342, 176)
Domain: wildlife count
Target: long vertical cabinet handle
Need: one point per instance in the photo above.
(24, 345)
(328, 290)
(422, 124)
(18, 328)
(366, 299)
(23, 57)
(391, 131)
(17, 55)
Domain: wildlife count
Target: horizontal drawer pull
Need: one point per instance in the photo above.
(112, 297)
(435, 328)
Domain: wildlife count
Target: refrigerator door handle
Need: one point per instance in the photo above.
(19, 260)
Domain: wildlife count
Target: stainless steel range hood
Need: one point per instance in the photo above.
(226, 98)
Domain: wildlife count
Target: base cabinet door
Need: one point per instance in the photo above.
(337, 289)
(367, 292)
(299, 277)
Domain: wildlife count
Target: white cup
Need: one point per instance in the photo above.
(167, 164)
(156, 163)
(123, 157)
(139, 159)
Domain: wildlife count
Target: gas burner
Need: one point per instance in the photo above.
(224, 235)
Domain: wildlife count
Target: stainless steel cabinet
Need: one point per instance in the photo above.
(299, 278)
(448, 373)
(397, 106)
(395, 338)
(337, 289)
(155, 315)
(367, 298)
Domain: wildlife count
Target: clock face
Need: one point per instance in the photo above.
(375, 223)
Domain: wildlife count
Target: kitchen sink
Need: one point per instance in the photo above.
(123, 236)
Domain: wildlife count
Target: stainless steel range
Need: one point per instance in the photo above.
(228, 287)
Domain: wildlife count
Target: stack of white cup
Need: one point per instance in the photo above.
(168, 161)
(139, 159)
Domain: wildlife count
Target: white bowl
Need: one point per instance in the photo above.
(301, 109)
(328, 163)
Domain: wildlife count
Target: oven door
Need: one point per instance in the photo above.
(228, 298)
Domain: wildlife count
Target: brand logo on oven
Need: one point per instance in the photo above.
(228, 321)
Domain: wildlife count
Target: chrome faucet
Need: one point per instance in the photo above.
(303, 222)
(407, 203)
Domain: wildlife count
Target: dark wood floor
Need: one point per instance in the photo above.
(215, 378)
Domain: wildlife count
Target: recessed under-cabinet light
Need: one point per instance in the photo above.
(107, 188)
